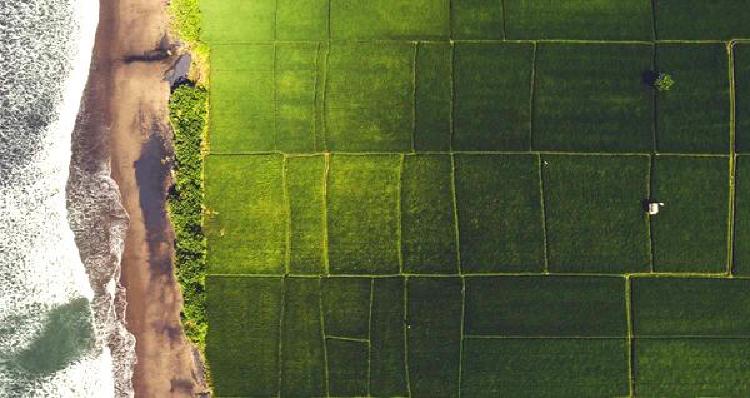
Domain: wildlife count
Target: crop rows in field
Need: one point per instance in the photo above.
(478, 336)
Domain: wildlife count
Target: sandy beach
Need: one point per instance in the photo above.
(124, 120)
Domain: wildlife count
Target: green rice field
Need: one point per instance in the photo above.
(446, 198)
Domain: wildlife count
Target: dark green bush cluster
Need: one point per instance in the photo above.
(188, 115)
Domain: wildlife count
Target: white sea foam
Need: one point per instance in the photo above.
(45, 50)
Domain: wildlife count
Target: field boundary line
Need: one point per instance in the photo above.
(453, 96)
(634, 337)
(456, 228)
(275, 93)
(406, 335)
(543, 205)
(326, 245)
(324, 104)
(460, 152)
(484, 41)
(399, 231)
(674, 275)
(505, 29)
(344, 338)
(414, 100)
(461, 341)
(281, 335)
(369, 339)
(325, 338)
(655, 107)
(732, 159)
(532, 95)
(653, 27)
(649, 221)
(288, 208)
(631, 347)
(315, 98)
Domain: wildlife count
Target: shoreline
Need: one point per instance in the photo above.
(122, 131)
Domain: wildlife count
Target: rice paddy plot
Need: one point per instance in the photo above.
(477, 19)
(434, 93)
(346, 307)
(593, 98)
(237, 21)
(579, 19)
(499, 213)
(304, 20)
(387, 337)
(242, 99)
(427, 218)
(690, 232)
(363, 217)
(347, 367)
(390, 19)
(242, 346)
(545, 368)
(700, 19)
(742, 216)
(369, 102)
(691, 307)
(742, 95)
(692, 367)
(246, 220)
(305, 181)
(545, 306)
(693, 116)
(492, 96)
(594, 213)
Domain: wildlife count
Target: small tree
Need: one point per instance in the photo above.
(663, 82)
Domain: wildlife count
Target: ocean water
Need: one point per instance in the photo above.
(59, 329)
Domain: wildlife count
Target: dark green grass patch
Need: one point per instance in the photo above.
(390, 19)
(692, 368)
(742, 216)
(427, 218)
(500, 215)
(591, 97)
(493, 90)
(701, 19)
(693, 116)
(370, 97)
(434, 93)
(742, 95)
(302, 19)
(237, 21)
(594, 213)
(242, 346)
(296, 79)
(545, 368)
(346, 307)
(305, 178)
(434, 336)
(579, 19)
(302, 358)
(690, 232)
(242, 99)
(477, 19)
(245, 214)
(544, 306)
(363, 214)
(691, 307)
(347, 367)
(387, 358)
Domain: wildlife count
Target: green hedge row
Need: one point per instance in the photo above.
(188, 114)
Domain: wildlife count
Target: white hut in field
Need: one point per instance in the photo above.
(654, 207)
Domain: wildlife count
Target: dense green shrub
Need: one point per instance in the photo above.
(188, 114)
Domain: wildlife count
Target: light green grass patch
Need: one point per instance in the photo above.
(427, 217)
(693, 116)
(305, 179)
(304, 20)
(546, 306)
(242, 99)
(242, 346)
(363, 216)
(302, 354)
(579, 19)
(477, 19)
(434, 336)
(690, 232)
(238, 21)
(691, 307)
(296, 79)
(390, 19)
(594, 213)
(245, 214)
(692, 368)
(552, 368)
(433, 97)
(370, 97)
(593, 98)
(499, 213)
(493, 91)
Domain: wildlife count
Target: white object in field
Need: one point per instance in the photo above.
(654, 207)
